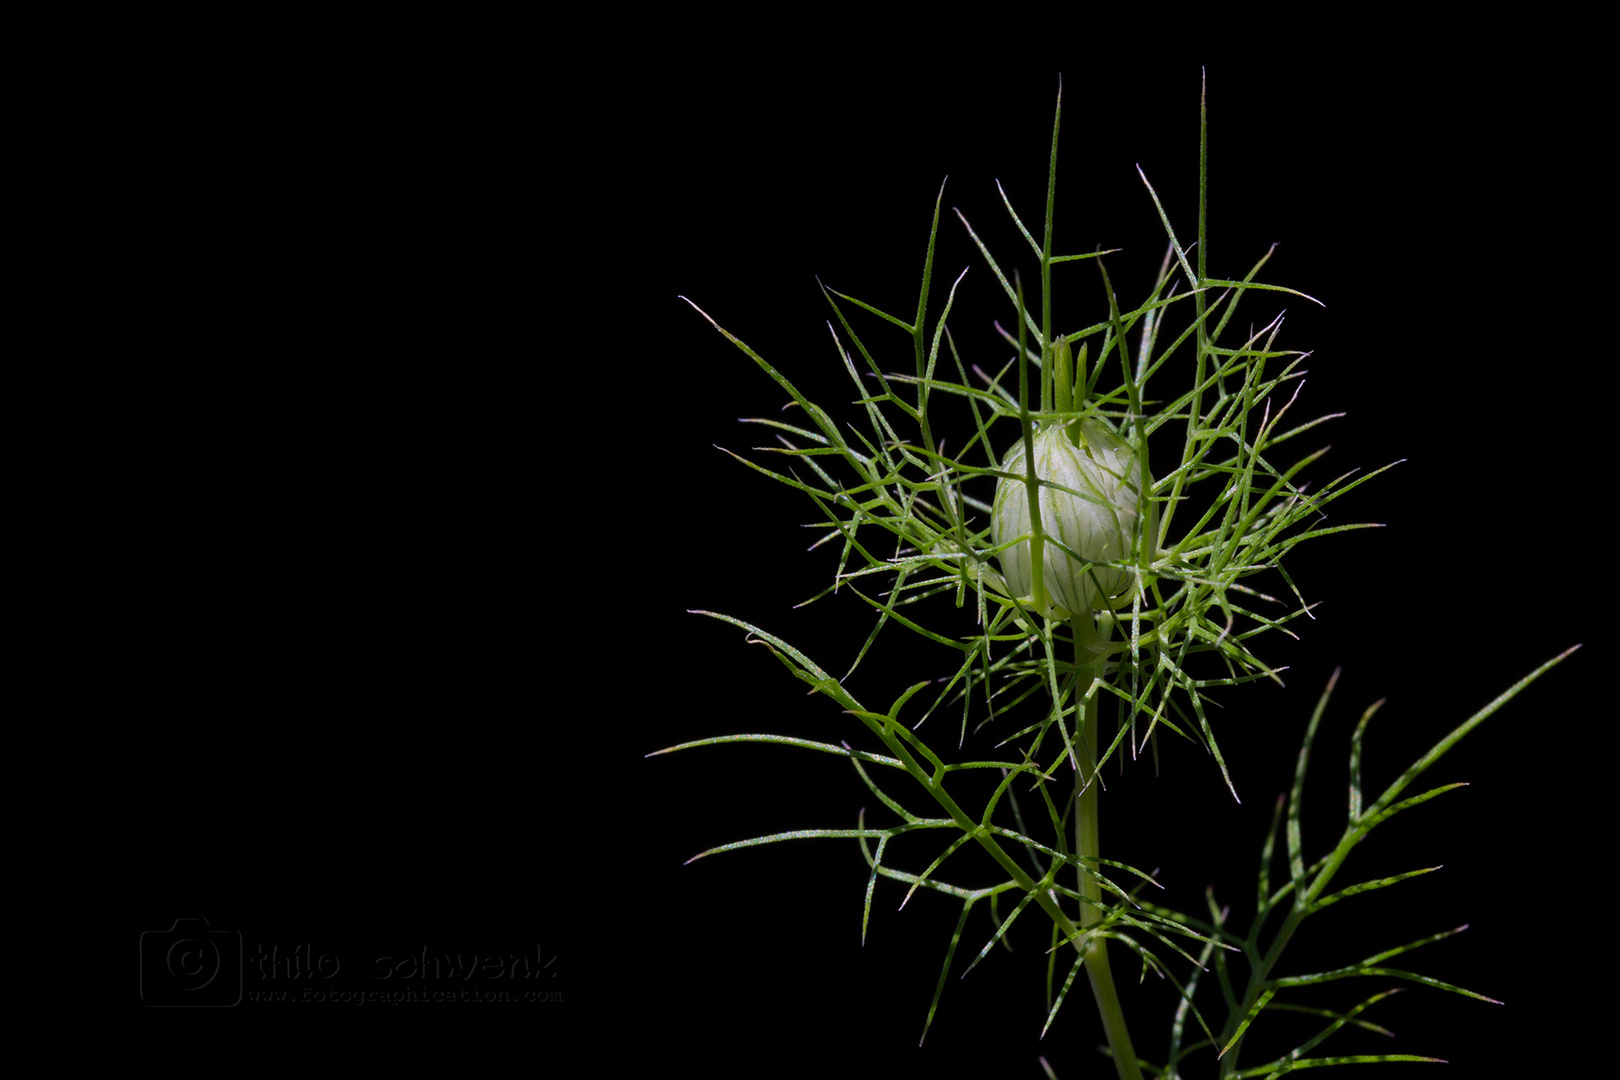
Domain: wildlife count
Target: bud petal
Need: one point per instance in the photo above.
(1097, 518)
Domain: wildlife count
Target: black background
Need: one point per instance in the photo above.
(395, 456)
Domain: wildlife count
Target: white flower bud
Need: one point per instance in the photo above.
(1096, 519)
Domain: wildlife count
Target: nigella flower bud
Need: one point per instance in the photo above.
(1097, 518)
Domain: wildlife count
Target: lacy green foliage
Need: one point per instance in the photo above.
(911, 522)
(914, 521)
(1127, 919)
(1281, 909)
(1037, 882)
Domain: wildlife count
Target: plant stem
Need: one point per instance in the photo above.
(1088, 660)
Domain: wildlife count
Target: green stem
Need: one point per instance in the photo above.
(1259, 973)
(1088, 658)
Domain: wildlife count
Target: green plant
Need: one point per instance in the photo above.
(1110, 538)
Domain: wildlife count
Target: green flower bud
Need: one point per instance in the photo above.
(1097, 518)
